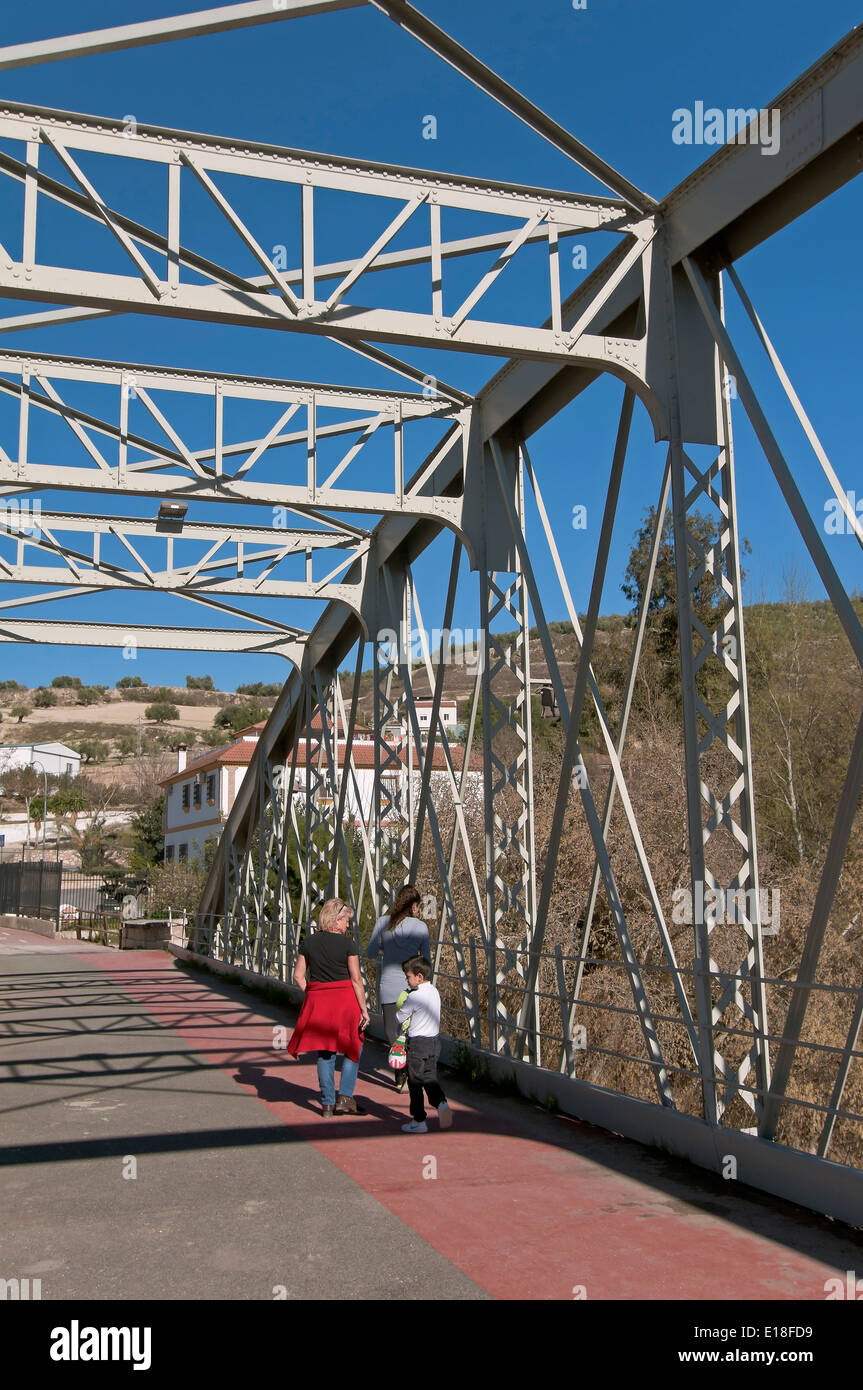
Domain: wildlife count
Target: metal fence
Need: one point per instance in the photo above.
(70, 899)
(31, 890)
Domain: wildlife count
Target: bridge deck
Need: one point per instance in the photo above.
(242, 1188)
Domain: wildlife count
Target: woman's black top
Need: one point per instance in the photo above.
(326, 954)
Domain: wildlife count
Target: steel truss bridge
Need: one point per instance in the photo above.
(435, 469)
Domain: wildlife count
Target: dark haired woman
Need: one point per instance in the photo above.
(396, 938)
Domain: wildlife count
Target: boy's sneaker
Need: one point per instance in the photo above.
(444, 1115)
(415, 1127)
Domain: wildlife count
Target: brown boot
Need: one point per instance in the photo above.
(327, 1112)
(346, 1105)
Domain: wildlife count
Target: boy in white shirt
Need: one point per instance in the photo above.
(421, 1012)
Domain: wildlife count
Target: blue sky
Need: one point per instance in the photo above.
(353, 83)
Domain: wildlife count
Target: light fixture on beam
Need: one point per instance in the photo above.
(173, 511)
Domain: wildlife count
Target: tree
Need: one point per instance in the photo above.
(68, 801)
(93, 750)
(199, 683)
(161, 712)
(235, 717)
(95, 843)
(149, 843)
(20, 712)
(67, 682)
(20, 784)
(7, 686)
(45, 699)
(708, 597)
(89, 695)
(129, 683)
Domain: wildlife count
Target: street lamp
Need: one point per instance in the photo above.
(34, 764)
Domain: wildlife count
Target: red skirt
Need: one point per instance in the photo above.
(329, 1021)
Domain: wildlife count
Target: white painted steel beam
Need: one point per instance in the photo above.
(86, 579)
(98, 371)
(182, 639)
(446, 511)
(284, 164)
(623, 356)
(184, 530)
(150, 31)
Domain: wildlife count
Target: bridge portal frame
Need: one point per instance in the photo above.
(652, 314)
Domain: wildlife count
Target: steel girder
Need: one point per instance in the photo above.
(265, 641)
(106, 454)
(215, 21)
(651, 314)
(230, 297)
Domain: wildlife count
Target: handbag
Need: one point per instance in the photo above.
(397, 1056)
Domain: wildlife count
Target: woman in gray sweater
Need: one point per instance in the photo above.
(396, 937)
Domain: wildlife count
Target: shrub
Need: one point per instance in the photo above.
(143, 693)
(89, 695)
(236, 717)
(173, 738)
(258, 688)
(199, 683)
(176, 886)
(45, 699)
(130, 683)
(161, 711)
(67, 682)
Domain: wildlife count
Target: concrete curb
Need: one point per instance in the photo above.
(38, 925)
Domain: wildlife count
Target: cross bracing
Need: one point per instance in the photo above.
(714, 1035)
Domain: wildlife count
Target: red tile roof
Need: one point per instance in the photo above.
(243, 750)
(240, 753)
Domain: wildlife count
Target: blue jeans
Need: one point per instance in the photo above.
(327, 1077)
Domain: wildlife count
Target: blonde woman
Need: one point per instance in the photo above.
(334, 1013)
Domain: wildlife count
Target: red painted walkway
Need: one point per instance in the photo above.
(527, 1205)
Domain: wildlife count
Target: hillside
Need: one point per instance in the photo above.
(114, 731)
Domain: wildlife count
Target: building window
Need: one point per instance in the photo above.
(197, 797)
(185, 796)
(169, 854)
(69, 769)
(211, 789)
(183, 853)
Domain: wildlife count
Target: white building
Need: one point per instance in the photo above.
(56, 758)
(200, 794)
(448, 713)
